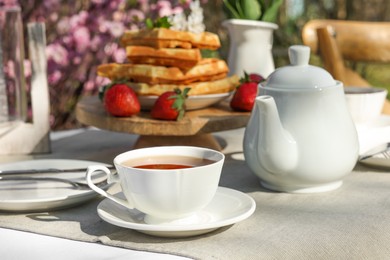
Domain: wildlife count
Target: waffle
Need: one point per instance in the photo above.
(181, 58)
(224, 85)
(205, 70)
(166, 38)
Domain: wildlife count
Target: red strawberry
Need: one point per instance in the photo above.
(120, 100)
(170, 105)
(256, 77)
(245, 95)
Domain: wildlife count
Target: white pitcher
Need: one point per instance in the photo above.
(250, 48)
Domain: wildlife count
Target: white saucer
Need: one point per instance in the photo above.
(192, 102)
(22, 196)
(228, 207)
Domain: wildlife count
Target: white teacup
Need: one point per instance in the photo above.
(365, 103)
(164, 195)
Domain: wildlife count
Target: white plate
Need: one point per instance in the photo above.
(192, 102)
(44, 195)
(228, 207)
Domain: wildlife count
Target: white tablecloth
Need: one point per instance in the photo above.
(351, 222)
(18, 245)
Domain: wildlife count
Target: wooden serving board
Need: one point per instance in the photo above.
(193, 129)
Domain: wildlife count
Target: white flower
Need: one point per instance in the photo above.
(194, 22)
(194, 25)
(195, 5)
(195, 19)
(178, 21)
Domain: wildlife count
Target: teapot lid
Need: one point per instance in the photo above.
(300, 75)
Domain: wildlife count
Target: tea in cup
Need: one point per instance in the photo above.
(167, 183)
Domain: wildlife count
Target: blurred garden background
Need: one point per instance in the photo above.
(82, 34)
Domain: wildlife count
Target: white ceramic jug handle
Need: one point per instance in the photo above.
(111, 178)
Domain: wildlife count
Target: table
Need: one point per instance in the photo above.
(348, 223)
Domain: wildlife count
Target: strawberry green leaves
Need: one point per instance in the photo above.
(170, 105)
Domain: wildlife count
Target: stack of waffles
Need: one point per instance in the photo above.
(161, 60)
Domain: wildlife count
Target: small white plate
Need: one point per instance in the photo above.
(192, 102)
(44, 195)
(228, 207)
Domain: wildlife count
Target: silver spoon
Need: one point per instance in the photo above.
(45, 171)
(76, 184)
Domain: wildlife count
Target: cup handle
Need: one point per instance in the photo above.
(111, 178)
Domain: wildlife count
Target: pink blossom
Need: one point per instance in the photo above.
(89, 85)
(116, 29)
(54, 77)
(79, 29)
(115, 4)
(27, 68)
(79, 19)
(177, 10)
(103, 26)
(119, 55)
(76, 60)
(133, 27)
(51, 4)
(95, 43)
(110, 48)
(186, 3)
(9, 69)
(10, 3)
(136, 15)
(164, 4)
(143, 5)
(53, 17)
(118, 16)
(82, 38)
(164, 8)
(80, 76)
(102, 81)
(57, 53)
(98, 2)
(67, 41)
(63, 25)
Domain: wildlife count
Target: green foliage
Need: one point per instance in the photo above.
(159, 23)
(253, 9)
(271, 12)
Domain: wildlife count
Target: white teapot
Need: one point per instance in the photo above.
(300, 137)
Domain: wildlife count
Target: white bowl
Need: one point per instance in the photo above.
(192, 102)
(365, 103)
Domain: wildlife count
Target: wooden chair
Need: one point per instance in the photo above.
(338, 41)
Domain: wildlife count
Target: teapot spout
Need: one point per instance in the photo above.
(277, 149)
